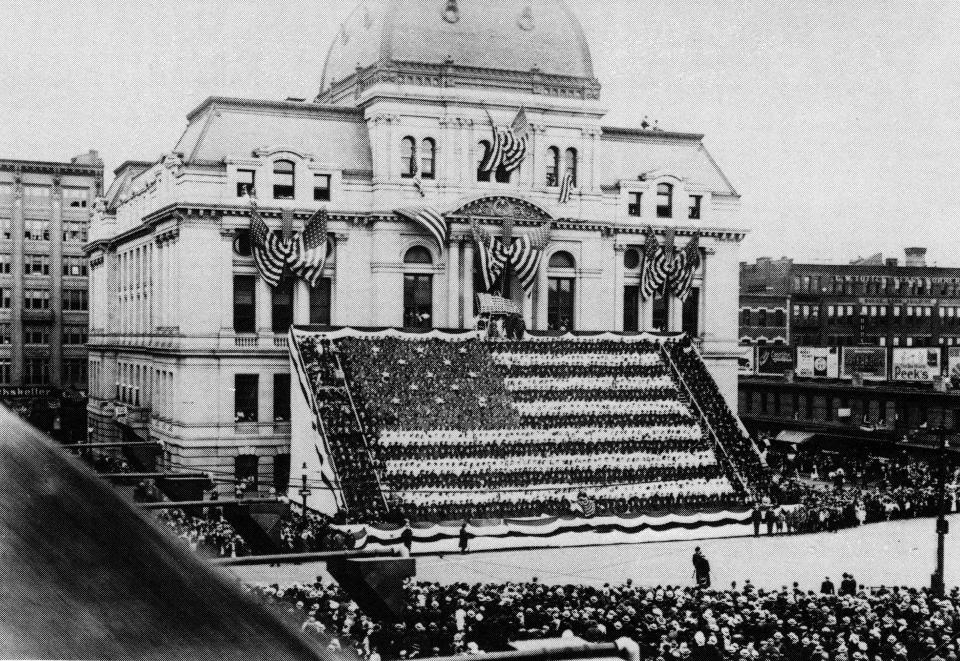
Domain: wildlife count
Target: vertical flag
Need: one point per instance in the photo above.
(648, 274)
(508, 147)
(686, 263)
(525, 254)
(310, 248)
(270, 252)
(566, 187)
(493, 256)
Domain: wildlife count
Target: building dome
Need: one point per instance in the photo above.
(492, 35)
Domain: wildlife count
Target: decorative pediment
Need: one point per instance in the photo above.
(502, 206)
(269, 151)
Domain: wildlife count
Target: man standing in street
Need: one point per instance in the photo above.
(464, 537)
(827, 586)
(701, 569)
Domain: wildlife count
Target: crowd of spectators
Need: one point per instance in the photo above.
(668, 622)
(108, 463)
(299, 534)
(212, 535)
(476, 429)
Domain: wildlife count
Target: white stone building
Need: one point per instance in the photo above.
(187, 343)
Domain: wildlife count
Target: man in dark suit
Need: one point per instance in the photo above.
(701, 569)
(848, 585)
(757, 520)
(827, 586)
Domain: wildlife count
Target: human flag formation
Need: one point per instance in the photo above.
(310, 248)
(270, 251)
(685, 265)
(525, 254)
(566, 187)
(508, 147)
(491, 253)
(428, 218)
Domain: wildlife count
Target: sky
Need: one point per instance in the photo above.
(836, 121)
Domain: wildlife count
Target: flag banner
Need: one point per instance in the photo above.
(566, 187)
(526, 252)
(430, 219)
(652, 275)
(684, 266)
(270, 251)
(309, 252)
(490, 250)
(508, 146)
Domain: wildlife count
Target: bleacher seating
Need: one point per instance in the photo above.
(452, 428)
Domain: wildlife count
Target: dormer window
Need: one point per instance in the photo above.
(321, 187)
(664, 200)
(633, 206)
(246, 180)
(283, 180)
(695, 207)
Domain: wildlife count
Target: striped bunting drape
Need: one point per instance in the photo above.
(651, 275)
(525, 254)
(309, 251)
(430, 219)
(302, 254)
(270, 251)
(508, 146)
(684, 266)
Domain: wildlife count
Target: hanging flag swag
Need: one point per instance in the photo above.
(301, 253)
(667, 270)
(508, 146)
(430, 219)
(490, 250)
(685, 265)
(652, 275)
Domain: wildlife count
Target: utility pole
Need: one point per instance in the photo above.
(937, 579)
(304, 492)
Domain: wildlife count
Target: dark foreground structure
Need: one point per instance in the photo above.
(84, 575)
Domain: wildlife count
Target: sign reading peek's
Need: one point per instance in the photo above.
(915, 364)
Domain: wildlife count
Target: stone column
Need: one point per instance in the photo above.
(56, 283)
(16, 292)
(226, 281)
(301, 302)
(542, 293)
(263, 300)
(468, 283)
(453, 283)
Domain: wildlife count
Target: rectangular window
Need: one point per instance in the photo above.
(5, 228)
(36, 371)
(282, 306)
(75, 335)
(6, 192)
(634, 206)
(4, 333)
(631, 308)
(320, 302)
(417, 301)
(244, 304)
(36, 265)
(36, 230)
(246, 397)
(661, 312)
(246, 182)
(321, 187)
(5, 371)
(691, 313)
(5, 264)
(37, 299)
(281, 398)
(76, 198)
(74, 373)
(246, 469)
(36, 195)
(74, 232)
(36, 335)
(695, 206)
(75, 299)
(75, 266)
(5, 298)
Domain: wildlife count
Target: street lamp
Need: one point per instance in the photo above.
(304, 492)
(937, 578)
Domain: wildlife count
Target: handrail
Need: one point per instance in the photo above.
(706, 422)
(297, 558)
(363, 435)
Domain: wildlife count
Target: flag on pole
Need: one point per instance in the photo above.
(417, 177)
(270, 251)
(493, 256)
(664, 261)
(430, 219)
(309, 251)
(508, 146)
(649, 282)
(566, 187)
(526, 252)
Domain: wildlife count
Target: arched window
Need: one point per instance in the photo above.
(283, 180)
(664, 200)
(428, 158)
(408, 157)
(560, 294)
(418, 255)
(561, 260)
(483, 150)
(570, 165)
(553, 166)
(418, 289)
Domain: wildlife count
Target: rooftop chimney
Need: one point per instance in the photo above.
(916, 256)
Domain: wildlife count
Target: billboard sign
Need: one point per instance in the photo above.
(953, 366)
(818, 362)
(911, 364)
(745, 361)
(775, 360)
(871, 362)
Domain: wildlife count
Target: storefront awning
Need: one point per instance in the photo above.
(794, 437)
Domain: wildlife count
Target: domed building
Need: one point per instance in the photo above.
(455, 147)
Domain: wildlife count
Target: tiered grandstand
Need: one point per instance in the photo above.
(448, 427)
